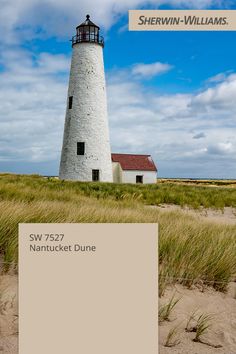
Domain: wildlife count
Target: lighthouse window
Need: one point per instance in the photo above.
(70, 102)
(95, 175)
(80, 148)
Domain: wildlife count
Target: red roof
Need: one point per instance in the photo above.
(134, 162)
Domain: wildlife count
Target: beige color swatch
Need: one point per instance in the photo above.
(88, 288)
(182, 20)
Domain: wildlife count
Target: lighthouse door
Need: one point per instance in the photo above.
(95, 175)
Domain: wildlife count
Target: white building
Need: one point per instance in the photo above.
(129, 168)
(86, 154)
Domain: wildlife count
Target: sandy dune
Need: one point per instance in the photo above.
(222, 332)
(8, 315)
(227, 216)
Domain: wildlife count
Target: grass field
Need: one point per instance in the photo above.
(17, 187)
(189, 251)
(201, 182)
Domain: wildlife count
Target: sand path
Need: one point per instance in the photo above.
(227, 216)
(8, 315)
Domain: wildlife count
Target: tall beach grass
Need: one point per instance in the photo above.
(189, 251)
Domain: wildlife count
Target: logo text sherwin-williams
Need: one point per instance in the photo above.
(186, 20)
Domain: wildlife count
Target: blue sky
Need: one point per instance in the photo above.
(170, 94)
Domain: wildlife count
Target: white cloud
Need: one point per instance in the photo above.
(219, 77)
(149, 70)
(168, 126)
(138, 71)
(50, 64)
(32, 100)
(219, 97)
(222, 149)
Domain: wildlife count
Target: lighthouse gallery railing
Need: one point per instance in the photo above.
(88, 37)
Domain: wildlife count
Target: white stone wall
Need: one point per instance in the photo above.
(117, 172)
(130, 176)
(87, 120)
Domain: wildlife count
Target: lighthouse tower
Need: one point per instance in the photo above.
(86, 153)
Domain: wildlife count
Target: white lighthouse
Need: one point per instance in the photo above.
(86, 153)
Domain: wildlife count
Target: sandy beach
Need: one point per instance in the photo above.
(219, 337)
(8, 314)
(226, 216)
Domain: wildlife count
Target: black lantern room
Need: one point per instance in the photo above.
(88, 32)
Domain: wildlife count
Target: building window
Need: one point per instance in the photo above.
(70, 102)
(80, 148)
(139, 179)
(95, 175)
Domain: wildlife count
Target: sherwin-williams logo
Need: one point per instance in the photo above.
(187, 20)
(182, 20)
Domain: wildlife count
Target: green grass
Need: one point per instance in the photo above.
(201, 182)
(166, 309)
(170, 193)
(189, 251)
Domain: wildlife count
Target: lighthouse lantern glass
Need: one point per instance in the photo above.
(88, 32)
